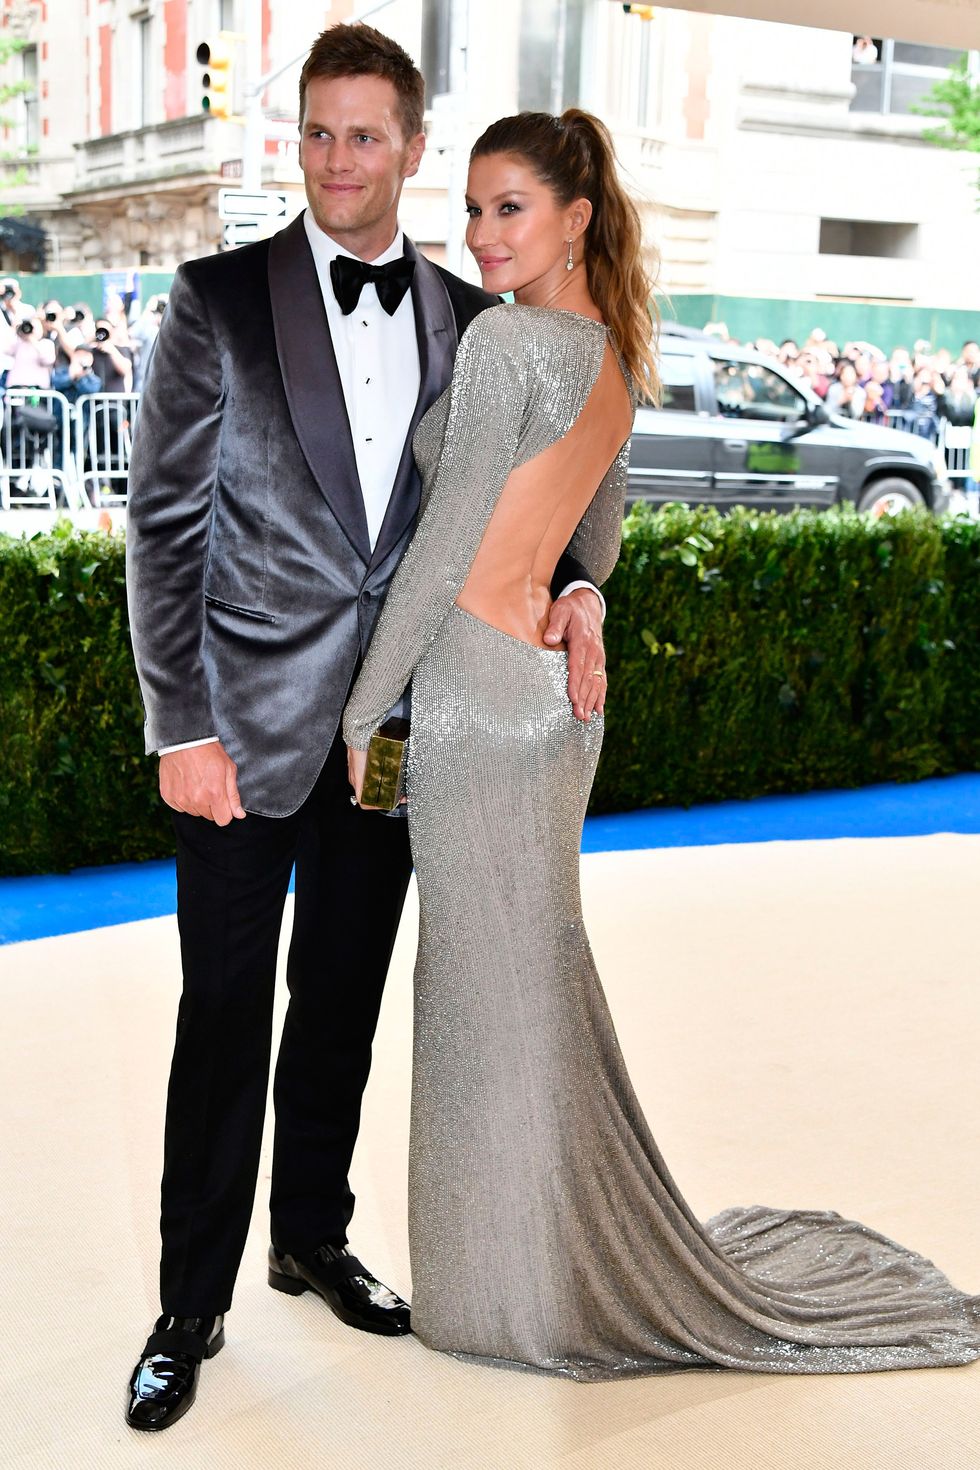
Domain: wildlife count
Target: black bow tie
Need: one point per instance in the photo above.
(391, 281)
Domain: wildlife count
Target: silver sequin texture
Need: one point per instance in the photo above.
(546, 1230)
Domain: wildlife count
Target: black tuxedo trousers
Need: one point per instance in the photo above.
(352, 872)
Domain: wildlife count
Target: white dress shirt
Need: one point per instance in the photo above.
(378, 362)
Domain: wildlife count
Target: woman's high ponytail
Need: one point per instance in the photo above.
(574, 155)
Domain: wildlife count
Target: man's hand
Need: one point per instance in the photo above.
(576, 621)
(203, 782)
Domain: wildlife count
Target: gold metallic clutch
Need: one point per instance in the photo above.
(384, 774)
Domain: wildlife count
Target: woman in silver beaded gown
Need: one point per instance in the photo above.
(545, 1227)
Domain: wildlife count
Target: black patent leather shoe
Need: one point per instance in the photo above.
(164, 1381)
(347, 1287)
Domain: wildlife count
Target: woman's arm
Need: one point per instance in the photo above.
(599, 533)
(487, 398)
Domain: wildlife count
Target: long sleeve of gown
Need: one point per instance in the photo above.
(487, 400)
(598, 537)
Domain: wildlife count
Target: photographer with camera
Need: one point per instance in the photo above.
(144, 335)
(31, 354)
(13, 308)
(60, 331)
(82, 377)
(112, 364)
(112, 356)
(31, 357)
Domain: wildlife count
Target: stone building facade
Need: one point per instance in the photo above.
(123, 166)
(764, 159)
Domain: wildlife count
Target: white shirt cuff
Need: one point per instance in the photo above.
(590, 588)
(187, 745)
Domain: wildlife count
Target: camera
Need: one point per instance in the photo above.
(78, 317)
(102, 334)
(50, 316)
(8, 292)
(160, 306)
(26, 329)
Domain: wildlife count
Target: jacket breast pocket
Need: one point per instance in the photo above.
(242, 612)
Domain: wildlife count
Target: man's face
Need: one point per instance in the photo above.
(355, 159)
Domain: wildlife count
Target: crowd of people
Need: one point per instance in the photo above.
(69, 350)
(66, 349)
(909, 390)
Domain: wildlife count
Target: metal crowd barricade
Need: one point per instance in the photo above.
(915, 421)
(103, 445)
(37, 466)
(82, 458)
(956, 442)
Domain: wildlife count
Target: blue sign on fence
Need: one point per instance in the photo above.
(125, 284)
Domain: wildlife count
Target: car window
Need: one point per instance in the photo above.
(677, 375)
(749, 390)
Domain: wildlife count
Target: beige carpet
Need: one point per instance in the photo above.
(802, 1021)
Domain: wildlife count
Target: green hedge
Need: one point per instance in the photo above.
(75, 787)
(760, 653)
(747, 654)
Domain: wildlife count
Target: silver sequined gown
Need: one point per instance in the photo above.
(545, 1227)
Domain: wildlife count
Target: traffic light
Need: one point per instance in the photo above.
(216, 78)
(645, 12)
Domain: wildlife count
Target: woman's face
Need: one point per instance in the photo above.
(517, 232)
(847, 375)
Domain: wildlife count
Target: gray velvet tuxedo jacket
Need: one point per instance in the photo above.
(253, 589)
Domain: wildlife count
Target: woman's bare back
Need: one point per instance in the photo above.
(521, 460)
(540, 505)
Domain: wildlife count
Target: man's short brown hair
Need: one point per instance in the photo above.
(361, 51)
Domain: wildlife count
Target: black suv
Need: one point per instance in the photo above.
(736, 429)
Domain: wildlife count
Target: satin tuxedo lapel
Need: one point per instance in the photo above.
(314, 392)
(435, 326)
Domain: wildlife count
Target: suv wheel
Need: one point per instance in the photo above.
(890, 495)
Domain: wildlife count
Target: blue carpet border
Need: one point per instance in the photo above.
(89, 898)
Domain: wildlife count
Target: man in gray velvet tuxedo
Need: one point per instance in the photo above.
(272, 495)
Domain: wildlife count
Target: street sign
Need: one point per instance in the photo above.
(241, 204)
(241, 232)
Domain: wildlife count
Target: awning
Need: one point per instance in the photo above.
(24, 238)
(930, 22)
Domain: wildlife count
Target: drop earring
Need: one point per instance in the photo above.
(569, 263)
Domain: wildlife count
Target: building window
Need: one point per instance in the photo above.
(145, 82)
(436, 48)
(893, 76)
(899, 240)
(31, 127)
(550, 74)
(636, 73)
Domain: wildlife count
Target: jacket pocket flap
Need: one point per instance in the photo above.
(244, 612)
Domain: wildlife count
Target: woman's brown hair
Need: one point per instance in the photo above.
(574, 155)
(361, 51)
